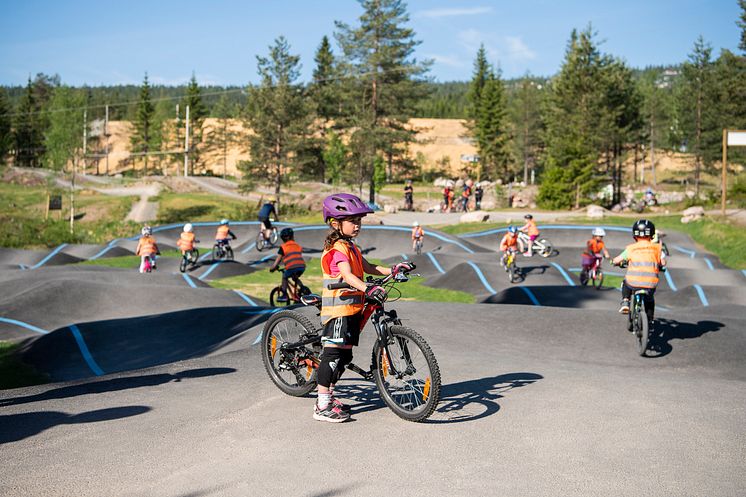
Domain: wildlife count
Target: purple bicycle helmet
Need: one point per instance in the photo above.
(342, 205)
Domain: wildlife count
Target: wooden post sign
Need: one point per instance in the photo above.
(731, 138)
(54, 203)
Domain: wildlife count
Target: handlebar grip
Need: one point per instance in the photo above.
(338, 286)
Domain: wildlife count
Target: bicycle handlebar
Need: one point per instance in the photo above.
(381, 281)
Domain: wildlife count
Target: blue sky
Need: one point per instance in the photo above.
(116, 42)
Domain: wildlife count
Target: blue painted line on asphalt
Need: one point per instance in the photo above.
(263, 259)
(253, 244)
(702, 296)
(691, 253)
(245, 297)
(482, 278)
(563, 273)
(23, 325)
(709, 264)
(743, 272)
(531, 295)
(264, 311)
(393, 228)
(111, 245)
(189, 280)
(550, 227)
(206, 255)
(49, 256)
(435, 262)
(258, 339)
(84, 351)
(22, 266)
(207, 273)
(404, 256)
(669, 279)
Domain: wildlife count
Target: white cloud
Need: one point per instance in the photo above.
(447, 60)
(469, 11)
(518, 50)
(502, 49)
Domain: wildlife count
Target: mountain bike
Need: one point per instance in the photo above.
(263, 241)
(221, 251)
(594, 273)
(189, 260)
(403, 365)
(542, 246)
(418, 246)
(296, 290)
(510, 267)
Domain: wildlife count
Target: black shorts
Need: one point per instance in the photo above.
(267, 224)
(343, 330)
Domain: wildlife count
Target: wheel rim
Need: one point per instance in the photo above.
(410, 390)
(291, 374)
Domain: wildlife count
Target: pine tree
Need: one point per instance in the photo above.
(280, 118)
(383, 85)
(335, 157)
(197, 115)
(491, 129)
(742, 24)
(6, 136)
(323, 91)
(525, 117)
(28, 141)
(224, 135)
(143, 137)
(482, 73)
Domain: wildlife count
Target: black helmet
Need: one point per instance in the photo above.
(528, 216)
(643, 227)
(286, 234)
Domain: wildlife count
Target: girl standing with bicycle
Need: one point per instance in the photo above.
(341, 310)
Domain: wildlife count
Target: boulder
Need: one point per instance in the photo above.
(474, 217)
(693, 214)
(372, 219)
(595, 212)
(390, 209)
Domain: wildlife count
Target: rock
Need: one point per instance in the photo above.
(372, 219)
(474, 217)
(390, 209)
(595, 212)
(697, 210)
(441, 182)
(616, 208)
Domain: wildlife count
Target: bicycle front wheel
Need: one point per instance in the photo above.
(292, 370)
(274, 294)
(598, 280)
(643, 333)
(407, 377)
(548, 250)
(260, 242)
(183, 263)
(273, 236)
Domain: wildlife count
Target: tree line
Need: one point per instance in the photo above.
(574, 132)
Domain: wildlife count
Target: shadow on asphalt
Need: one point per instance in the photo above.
(15, 427)
(459, 402)
(670, 329)
(114, 385)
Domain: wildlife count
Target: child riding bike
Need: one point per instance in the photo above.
(267, 212)
(532, 231)
(509, 243)
(418, 235)
(595, 249)
(224, 235)
(645, 260)
(341, 310)
(290, 255)
(186, 240)
(147, 249)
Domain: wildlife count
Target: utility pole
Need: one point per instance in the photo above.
(106, 137)
(186, 145)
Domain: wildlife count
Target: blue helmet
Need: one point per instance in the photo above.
(512, 229)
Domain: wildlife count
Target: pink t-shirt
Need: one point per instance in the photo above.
(337, 257)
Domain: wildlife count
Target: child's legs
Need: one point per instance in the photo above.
(143, 263)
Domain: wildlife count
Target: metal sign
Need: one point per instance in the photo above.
(737, 138)
(55, 202)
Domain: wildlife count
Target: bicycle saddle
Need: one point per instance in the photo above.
(311, 299)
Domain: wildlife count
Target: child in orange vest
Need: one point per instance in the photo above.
(224, 235)
(508, 242)
(147, 249)
(186, 240)
(341, 309)
(290, 255)
(417, 234)
(645, 260)
(595, 248)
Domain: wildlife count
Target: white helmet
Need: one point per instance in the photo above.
(146, 231)
(188, 227)
(224, 221)
(415, 224)
(599, 232)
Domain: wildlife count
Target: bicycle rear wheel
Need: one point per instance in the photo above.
(584, 277)
(598, 281)
(292, 370)
(511, 272)
(413, 392)
(260, 242)
(229, 253)
(183, 263)
(642, 331)
(547, 250)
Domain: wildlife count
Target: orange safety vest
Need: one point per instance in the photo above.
(531, 228)
(508, 241)
(342, 302)
(222, 233)
(418, 232)
(185, 241)
(644, 258)
(146, 246)
(292, 255)
(595, 246)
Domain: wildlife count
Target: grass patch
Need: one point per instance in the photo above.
(201, 207)
(14, 373)
(260, 283)
(125, 261)
(610, 280)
